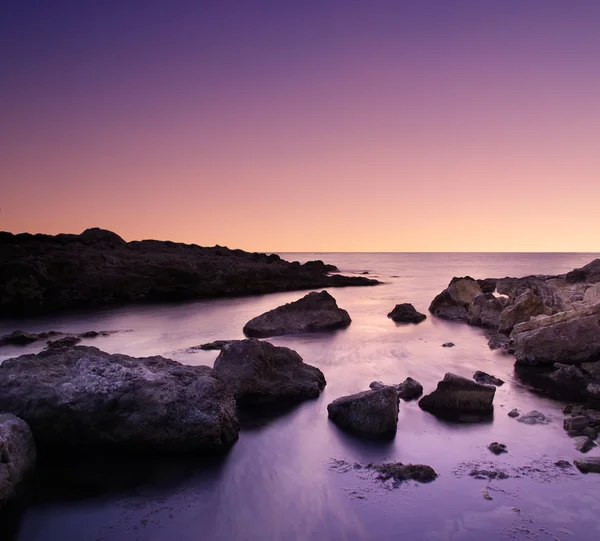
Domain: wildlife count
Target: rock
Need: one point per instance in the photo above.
(43, 273)
(486, 495)
(567, 337)
(372, 414)
(17, 454)
(312, 313)
(409, 389)
(64, 342)
(514, 413)
(496, 340)
(583, 444)
(459, 395)
(590, 433)
(526, 306)
(573, 409)
(482, 377)
(81, 398)
(563, 464)
(592, 369)
(576, 423)
(216, 345)
(376, 385)
(257, 373)
(593, 390)
(484, 310)
(497, 448)
(18, 338)
(95, 334)
(487, 285)
(588, 465)
(403, 472)
(534, 417)
(488, 474)
(448, 345)
(453, 303)
(406, 313)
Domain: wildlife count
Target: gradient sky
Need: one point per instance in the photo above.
(305, 125)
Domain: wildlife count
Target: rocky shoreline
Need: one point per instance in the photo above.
(45, 273)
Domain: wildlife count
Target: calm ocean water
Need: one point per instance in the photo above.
(280, 480)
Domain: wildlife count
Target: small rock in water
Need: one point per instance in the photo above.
(482, 377)
(563, 464)
(404, 472)
(64, 342)
(448, 345)
(514, 413)
(406, 313)
(486, 495)
(583, 444)
(534, 417)
(588, 465)
(497, 448)
(578, 423)
(409, 389)
(216, 345)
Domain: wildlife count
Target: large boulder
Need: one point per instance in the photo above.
(373, 414)
(484, 310)
(571, 337)
(312, 313)
(259, 373)
(456, 395)
(17, 454)
(526, 306)
(81, 397)
(406, 313)
(453, 303)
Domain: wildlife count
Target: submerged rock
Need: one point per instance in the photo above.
(497, 448)
(17, 454)
(482, 377)
(403, 472)
(534, 417)
(312, 313)
(372, 414)
(514, 413)
(455, 394)
(588, 465)
(406, 313)
(83, 398)
(259, 373)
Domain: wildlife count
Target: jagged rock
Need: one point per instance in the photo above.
(583, 444)
(372, 414)
(403, 472)
(376, 385)
(588, 465)
(534, 417)
(482, 377)
(526, 306)
(514, 413)
(409, 389)
(578, 423)
(83, 398)
(459, 395)
(453, 303)
(257, 373)
(216, 345)
(17, 454)
(64, 342)
(497, 448)
(18, 338)
(312, 313)
(487, 285)
(406, 313)
(484, 310)
(448, 345)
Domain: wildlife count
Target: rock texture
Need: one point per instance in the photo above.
(409, 389)
(588, 465)
(373, 414)
(312, 313)
(453, 303)
(406, 313)
(17, 454)
(81, 397)
(487, 379)
(259, 373)
(459, 395)
(43, 273)
(404, 472)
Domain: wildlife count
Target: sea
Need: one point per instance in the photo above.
(294, 475)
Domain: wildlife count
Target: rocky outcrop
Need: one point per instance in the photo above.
(455, 394)
(453, 303)
(487, 379)
(83, 398)
(406, 313)
(22, 338)
(313, 313)
(372, 414)
(484, 310)
(216, 345)
(43, 273)
(526, 306)
(17, 454)
(259, 373)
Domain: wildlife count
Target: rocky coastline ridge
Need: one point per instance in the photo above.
(45, 273)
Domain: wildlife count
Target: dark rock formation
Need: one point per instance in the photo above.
(406, 313)
(583, 444)
(482, 377)
(588, 465)
(578, 423)
(81, 397)
(373, 414)
(459, 395)
(64, 342)
(409, 389)
(21, 338)
(259, 373)
(216, 345)
(448, 344)
(17, 454)
(312, 313)
(404, 472)
(527, 305)
(43, 273)
(534, 417)
(453, 303)
(497, 448)
(514, 413)
(484, 310)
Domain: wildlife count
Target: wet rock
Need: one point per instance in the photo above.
(514, 413)
(482, 377)
(590, 433)
(409, 389)
(18, 338)
(216, 345)
(496, 340)
(534, 417)
(488, 474)
(448, 345)
(372, 414)
(258, 373)
(404, 472)
(526, 306)
(486, 495)
(453, 303)
(583, 444)
(567, 380)
(312, 313)
(81, 398)
(484, 310)
(497, 448)
(564, 464)
(459, 395)
(64, 342)
(588, 465)
(376, 385)
(406, 313)
(17, 454)
(578, 423)
(95, 334)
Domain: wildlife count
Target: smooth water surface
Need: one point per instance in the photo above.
(281, 480)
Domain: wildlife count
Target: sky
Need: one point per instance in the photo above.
(304, 125)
